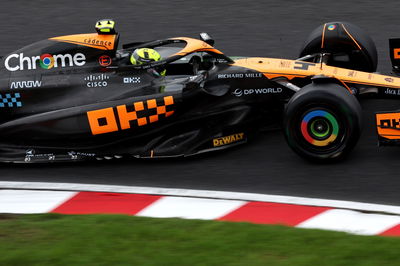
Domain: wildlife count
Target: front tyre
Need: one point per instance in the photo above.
(322, 122)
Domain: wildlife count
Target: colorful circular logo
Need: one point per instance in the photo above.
(319, 128)
(46, 61)
(332, 27)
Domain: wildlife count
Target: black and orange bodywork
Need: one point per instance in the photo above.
(388, 123)
(77, 97)
(388, 127)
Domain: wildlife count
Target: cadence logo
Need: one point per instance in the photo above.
(15, 62)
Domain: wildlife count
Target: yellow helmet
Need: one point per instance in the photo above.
(144, 55)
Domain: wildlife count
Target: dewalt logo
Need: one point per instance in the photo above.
(228, 139)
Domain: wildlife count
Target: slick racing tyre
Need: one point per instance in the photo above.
(322, 122)
(347, 46)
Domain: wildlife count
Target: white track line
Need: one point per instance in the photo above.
(369, 207)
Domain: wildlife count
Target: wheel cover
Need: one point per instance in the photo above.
(319, 128)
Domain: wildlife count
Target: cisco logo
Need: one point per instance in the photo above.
(99, 80)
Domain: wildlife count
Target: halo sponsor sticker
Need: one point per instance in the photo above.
(331, 27)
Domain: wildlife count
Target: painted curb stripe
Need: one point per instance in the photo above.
(190, 208)
(395, 231)
(327, 218)
(351, 222)
(32, 201)
(273, 213)
(353, 205)
(112, 203)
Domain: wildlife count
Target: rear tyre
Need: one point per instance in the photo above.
(348, 45)
(322, 122)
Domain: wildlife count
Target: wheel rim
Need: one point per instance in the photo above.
(319, 128)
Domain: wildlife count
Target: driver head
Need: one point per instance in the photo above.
(144, 55)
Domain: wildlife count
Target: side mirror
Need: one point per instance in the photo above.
(206, 38)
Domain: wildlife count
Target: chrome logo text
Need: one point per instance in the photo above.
(15, 62)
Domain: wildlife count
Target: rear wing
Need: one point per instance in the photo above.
(394, 46)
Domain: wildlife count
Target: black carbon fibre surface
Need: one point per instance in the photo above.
(258, 28)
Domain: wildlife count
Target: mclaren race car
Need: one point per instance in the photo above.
(78, 97)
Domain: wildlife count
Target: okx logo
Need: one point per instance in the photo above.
(137, 114)
(15, 62)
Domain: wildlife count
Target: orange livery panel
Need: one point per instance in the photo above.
(388, 125)
(139, 113)
(94, 40)
(272, 67)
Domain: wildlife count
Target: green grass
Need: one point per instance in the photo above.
(52, 239)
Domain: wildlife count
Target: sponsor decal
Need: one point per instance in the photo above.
(331, 27)
(138, 113)
(128, 80)
(10, 100)
(351, 73)
(396, 53)
(94, 81)
(239, 75)
(389, 80)
(26, 84)
(240, 92)
(285, 64)
(31, 153)
(389, 91)
(97, 42)
(74, 155)
(390, 123)
(46, 61)
(228, 139)
(302, 65)
(15, 62)
(105, 60)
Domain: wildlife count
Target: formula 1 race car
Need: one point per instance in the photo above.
(78, 97)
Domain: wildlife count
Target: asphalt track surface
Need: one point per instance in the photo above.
(253, 28)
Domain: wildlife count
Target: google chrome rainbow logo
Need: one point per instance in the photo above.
(46, 61)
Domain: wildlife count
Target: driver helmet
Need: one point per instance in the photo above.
(146, 55)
